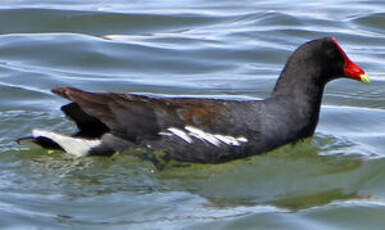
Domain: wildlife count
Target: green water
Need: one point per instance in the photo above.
(232, 49)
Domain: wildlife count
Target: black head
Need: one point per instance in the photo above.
(333, 61)
(318, 62)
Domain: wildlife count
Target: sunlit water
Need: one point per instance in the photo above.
(232, 49)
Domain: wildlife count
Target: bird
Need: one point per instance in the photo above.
(205, 130)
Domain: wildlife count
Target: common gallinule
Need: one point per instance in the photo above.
(206, 130)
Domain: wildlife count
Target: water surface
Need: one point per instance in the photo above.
(232, 49)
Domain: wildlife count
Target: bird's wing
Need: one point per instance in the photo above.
(135, 117)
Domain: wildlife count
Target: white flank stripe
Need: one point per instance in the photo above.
(203, 135)
(181, 134)
(165, 134)
(229, 140)
(242, 139)
(214, 139)
(72, 145)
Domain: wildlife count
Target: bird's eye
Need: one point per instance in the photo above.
(330, 53)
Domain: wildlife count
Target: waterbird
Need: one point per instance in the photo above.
(201, 129)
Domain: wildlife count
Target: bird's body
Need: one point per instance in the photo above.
(206, 130)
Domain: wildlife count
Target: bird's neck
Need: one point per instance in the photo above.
(303, 94)
(303, 84)
(303, 90)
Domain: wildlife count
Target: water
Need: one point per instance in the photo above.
(232, 49)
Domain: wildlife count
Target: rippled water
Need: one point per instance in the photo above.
(232, 49)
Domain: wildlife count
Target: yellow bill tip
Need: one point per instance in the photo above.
(365, 78)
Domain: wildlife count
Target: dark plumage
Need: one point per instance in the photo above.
(206, 130)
